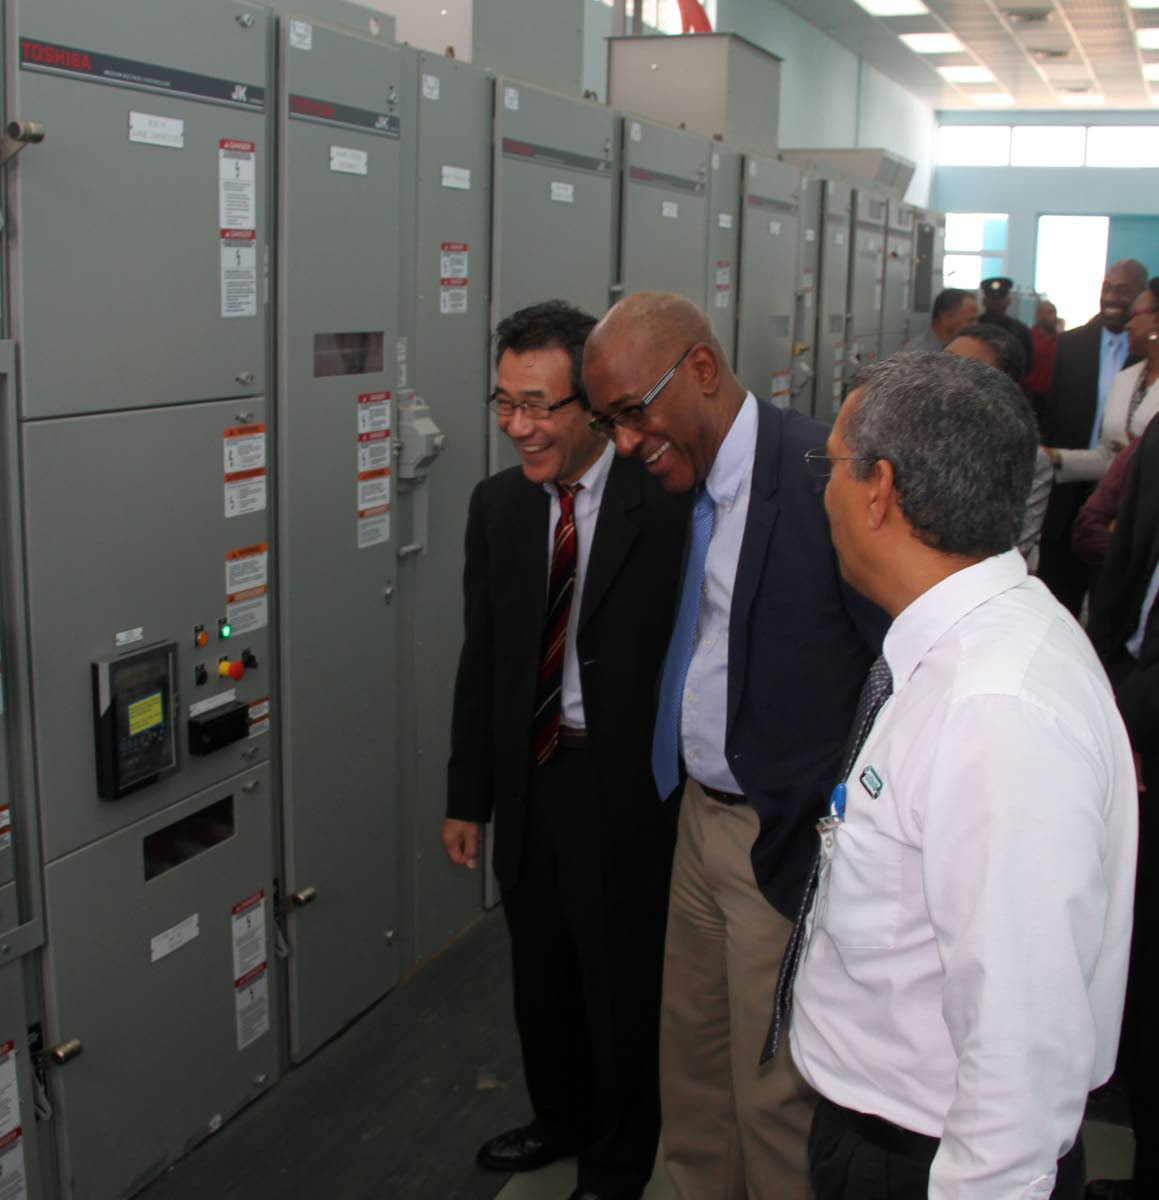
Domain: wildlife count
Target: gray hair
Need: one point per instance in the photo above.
(962, 441)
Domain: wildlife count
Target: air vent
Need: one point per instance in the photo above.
(1045, 54)
(1028, 16)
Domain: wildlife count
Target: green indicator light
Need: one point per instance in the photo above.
(225, 629)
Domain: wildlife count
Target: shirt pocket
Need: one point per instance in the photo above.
(863, 896)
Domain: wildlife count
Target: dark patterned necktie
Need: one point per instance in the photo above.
(874, 693)
(561, 585)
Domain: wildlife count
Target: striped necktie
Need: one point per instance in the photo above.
(561, 585)
(875, 692)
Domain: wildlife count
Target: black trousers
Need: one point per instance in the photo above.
(854, 1157)
(587, 919)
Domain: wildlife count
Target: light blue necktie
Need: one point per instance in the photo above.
(665, 740)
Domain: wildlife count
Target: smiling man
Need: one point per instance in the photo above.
(1086, 361)
(961, 987)
(573, 560)
(766, 658)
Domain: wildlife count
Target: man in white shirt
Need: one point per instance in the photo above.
(961, 988)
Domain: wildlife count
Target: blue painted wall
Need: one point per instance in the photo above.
(1028, 192)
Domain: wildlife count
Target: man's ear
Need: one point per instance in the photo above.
(881, 496)
(706, 367)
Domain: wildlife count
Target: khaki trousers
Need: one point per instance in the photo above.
(733, 1130)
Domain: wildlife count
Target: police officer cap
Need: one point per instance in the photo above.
(997, 286)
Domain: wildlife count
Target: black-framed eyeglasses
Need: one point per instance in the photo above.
(820, 463)
(534, 410)
(631, 416)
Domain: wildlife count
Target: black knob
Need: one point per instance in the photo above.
(249, 661)
(200, 675)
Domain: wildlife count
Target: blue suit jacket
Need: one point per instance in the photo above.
(800, 644)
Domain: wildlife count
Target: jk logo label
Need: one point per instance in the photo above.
(872, 782)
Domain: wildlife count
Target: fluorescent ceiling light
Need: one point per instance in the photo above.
(1084, 99)
(1151, 70)
(969, 74)
(935, 43)
(1155, 97)
(992, 98)
(1148, 39)
(898, 8)
(1143, 3)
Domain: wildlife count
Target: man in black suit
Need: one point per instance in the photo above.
(768, 654)
(1124, 626)
(572, 566)
(1085, 362)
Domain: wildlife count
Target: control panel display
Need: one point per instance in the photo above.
(134, 702)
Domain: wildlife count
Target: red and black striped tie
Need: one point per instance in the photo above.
(561, 585)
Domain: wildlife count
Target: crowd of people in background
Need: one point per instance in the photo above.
(817, 817)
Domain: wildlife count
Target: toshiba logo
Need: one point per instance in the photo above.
(45, 55)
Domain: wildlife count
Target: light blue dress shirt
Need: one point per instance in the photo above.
(704, 706)
(1112, 355)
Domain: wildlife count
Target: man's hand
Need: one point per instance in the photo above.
(1053, 455)
(461, 842)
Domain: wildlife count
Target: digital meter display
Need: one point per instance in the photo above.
(133, 700)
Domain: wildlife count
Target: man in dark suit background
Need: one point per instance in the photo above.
(1124, 626)
(572, 568)
(768, 654)
(1086, 360)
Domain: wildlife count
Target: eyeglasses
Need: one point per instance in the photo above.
(631, 416)
(534, 410)
(820, 464)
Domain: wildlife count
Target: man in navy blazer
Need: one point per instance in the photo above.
(768, 654)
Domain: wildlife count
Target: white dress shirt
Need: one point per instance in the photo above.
(967, 959)
(586, 511)
(704, 707)
(1093, 464)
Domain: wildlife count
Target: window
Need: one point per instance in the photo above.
(975, 248)
(1070, 260)
(1123, 146)
(1048, 146)
(973, 145)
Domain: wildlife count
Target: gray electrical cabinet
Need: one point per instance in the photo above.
(21, 1161)
(664, 210)
(554, 208)
(138, 262)
(445, 321)
(898, 276)
(342, 120)
(929, 251)
(554, 199)
(803, 373)
(724, 231)
(832, 301)
(866, 278)
(770, 245)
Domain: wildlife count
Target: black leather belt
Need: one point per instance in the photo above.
(572, 739)
(722, 797)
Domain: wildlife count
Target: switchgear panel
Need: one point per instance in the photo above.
(866, 279)
(898, 274)
(832, 311)
(722, 285)
(134, 701)
(769, 251)
(664, 211)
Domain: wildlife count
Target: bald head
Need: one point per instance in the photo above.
(653, 367)
(1125, 280)
(658, 318)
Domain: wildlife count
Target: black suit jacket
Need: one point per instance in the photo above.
(1068, 416)
(800, 645)
(626, 612)
(1118, 599)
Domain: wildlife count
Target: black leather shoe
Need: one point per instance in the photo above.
(520, 1149)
